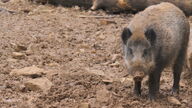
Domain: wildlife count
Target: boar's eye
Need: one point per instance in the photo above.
(145, 52)
(130, 51)
(126, 34)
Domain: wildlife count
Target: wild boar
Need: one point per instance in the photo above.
(155, 39)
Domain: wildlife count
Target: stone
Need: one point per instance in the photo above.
(32, 71)
(135, 102)
(20, 48)
(95, 71)
(107, 81)
(173, 100)
(101, 37)
(53, 64)
(18, 55)
(185, 101)
(38, 84)
(116, 64)
(127, 81)
(106, 22)
(114, 57)
(84, 105)
(82, 50)
(11, 60)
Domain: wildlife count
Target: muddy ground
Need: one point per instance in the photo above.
(83, 57)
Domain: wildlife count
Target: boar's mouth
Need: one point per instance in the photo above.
(138, 76)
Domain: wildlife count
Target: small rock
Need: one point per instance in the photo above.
(106, 22)
(107, 63)
(84, 105)
(18, 55)
(18, 48)
(11, 60)
(114, 57)
(9, 100)
(97, 33)
(42, 84)
(107, 81)
(173, 100)
(185, 101)
(126, 80)
(32, 71)
(53, 64)
(101, 37)
(29, 52)
(97, 72)
(116, 64)
(21, 87)
(135, 103)
(82, 50)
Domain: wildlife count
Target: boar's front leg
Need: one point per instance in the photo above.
(177, 69)
(137, 88)
(154, 79)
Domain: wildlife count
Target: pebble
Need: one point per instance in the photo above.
(173, 100)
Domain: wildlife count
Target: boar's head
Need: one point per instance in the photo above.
(139, 51)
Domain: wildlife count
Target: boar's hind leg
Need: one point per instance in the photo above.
(137, 88)
(177, 69)
(154, 79)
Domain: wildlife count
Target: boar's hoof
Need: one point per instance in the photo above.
(152, 97)
(175, 91)
(137, 93)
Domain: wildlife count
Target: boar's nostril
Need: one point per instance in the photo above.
(138, 76)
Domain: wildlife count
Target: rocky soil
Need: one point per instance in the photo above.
(56, 57)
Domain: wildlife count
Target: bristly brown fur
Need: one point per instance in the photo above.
(167, 29)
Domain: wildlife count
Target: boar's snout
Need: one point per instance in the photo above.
(138, 75)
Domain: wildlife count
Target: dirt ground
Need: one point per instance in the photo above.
(83, 55)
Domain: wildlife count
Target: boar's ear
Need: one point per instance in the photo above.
(126, 34)
(151, 36)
